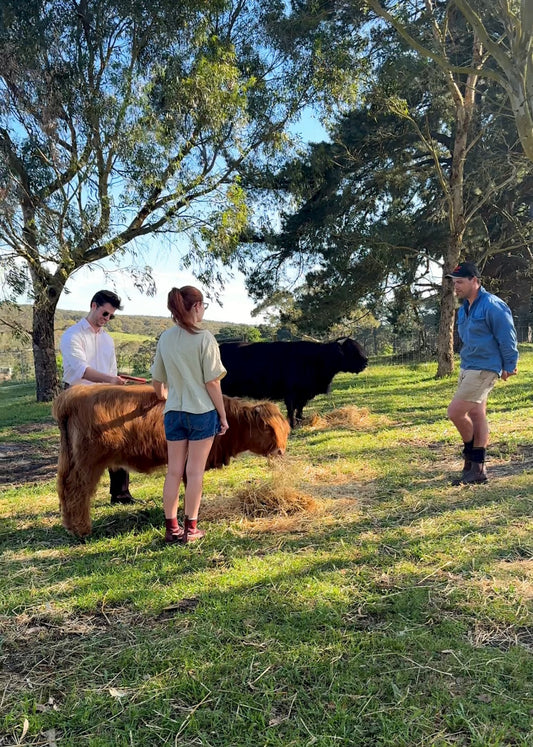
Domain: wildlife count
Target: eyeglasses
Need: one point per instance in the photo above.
(206, 305)
(108, 314)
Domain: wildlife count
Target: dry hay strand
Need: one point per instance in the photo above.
(264, 500)
(343, 417)
(302, 523)
(221, 509)
(500, 636)
(278, 495)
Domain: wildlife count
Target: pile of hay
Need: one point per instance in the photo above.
(279, 495)
(265, 500)
(347, 417)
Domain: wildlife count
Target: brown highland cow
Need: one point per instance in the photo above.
(105, 426)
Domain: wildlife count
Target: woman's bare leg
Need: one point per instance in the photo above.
(177, 456)
(196, 461)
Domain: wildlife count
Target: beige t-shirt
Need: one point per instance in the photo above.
(184, 362)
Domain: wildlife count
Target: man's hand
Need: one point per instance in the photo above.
(506, 374)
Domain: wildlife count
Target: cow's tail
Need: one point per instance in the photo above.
(72, 487)
(60, 411)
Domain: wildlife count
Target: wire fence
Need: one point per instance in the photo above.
(17, 364)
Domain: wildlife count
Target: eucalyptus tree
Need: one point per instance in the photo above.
(122, 120)
(368, 202)
(409, 180)
(503, 28)
(502, 52)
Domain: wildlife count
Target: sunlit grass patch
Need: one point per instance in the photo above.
(395, 609)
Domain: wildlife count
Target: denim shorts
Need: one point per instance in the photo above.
(187, 426)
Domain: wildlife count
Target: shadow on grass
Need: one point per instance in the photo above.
(391, 538)
(286, 649)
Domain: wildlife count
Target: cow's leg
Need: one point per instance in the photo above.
(119, 485)
(289, 404)
(75, 492)
(295, 411)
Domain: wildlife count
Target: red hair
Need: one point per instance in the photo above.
(180, 303)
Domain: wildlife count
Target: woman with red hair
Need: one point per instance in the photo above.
(186, 373)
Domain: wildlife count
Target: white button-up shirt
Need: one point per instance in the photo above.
(83, 347)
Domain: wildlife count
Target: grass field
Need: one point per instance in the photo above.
(394, 609)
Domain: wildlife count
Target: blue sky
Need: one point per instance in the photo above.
(236, 305)
(85, 283)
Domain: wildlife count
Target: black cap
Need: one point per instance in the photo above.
(464, 270)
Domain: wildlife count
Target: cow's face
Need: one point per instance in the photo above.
(355, 357)
(269, 437)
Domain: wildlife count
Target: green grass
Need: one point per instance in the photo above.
(396, 613)
(121, 338)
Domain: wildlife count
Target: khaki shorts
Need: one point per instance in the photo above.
(475, 386)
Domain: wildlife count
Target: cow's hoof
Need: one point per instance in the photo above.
(124, 498)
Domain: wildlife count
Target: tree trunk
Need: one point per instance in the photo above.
(454, 190)
(44, 352)
(445, 357)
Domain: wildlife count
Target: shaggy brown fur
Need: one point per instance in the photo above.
(122, 426)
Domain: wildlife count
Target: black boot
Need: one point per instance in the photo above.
(119, 486)
(467, 454)
(467, 466)
(477, 472)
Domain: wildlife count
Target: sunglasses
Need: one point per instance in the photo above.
(107, 314)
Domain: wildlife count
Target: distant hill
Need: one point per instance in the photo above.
(129, 324)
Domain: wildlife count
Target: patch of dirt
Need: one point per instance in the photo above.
(29, 461)
(513, 463)
(502, 637)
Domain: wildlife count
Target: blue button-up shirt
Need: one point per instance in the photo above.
(487, 331)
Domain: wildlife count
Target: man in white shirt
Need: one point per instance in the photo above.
(89, 358)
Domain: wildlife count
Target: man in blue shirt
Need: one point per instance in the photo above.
(486, 328)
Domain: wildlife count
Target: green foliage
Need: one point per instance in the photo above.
(142, 123)
(372, 215)
(242, 332)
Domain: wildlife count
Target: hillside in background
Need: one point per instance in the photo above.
(134, 335)
(149, 327)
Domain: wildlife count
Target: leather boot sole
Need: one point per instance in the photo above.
(174, 538)
(472, 477)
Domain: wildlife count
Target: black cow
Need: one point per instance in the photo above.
(294, 372)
